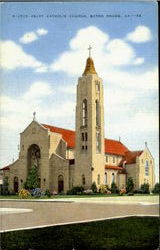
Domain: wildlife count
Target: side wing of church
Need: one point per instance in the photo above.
(66, 158)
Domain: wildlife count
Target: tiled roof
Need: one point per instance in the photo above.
(5, 168)
(115, 147)
(111, 146)
(113, 167)
(67, 135)
(130, 157)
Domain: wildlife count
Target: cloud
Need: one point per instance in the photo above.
(39, 98)
(32, 36)
(139, 60)
(42, 32)
(109, 53)
(28, 37)
(38, 90)
(13, 56)
(140, 34)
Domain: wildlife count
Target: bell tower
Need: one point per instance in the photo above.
(89, 151)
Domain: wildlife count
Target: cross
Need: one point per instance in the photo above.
(89, 50)
(34, 116)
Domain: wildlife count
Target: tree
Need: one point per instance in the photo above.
(5, 190)
(130, 185)
(94, 187)
(32, 179)
(114, 188)
(145, 188)
(156, 189)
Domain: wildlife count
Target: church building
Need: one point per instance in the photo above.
(66, 158)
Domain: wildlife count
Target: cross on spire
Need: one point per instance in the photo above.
(34, 116)
(89, 50)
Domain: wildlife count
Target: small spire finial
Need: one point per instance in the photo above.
(34, 116)
(89, 50)
(145, 144)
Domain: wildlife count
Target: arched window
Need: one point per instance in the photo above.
(98, 179)
(60, 184)
(16, 184)
(34, 156)
(84, 112)
(105, 178)
(113, 177)
(83, 179)
(147, 168)
(97, 113)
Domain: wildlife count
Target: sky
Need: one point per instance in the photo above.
(44, 47)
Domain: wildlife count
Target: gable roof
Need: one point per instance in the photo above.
(111, 146)
(113, 167)
(130, 157)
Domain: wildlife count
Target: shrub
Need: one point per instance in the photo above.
(108, 192)
(102, 189)
(37, 192)
(24, 194)
(130, 185)
(94, 187)
(156, 189)
(122, 191)
(32, 179)
(54, 193)
(5, 190)
(114, 189)
(88, 191)
(75, 190)
(47, 193)
(145, 188)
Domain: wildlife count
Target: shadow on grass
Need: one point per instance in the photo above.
(126, 233)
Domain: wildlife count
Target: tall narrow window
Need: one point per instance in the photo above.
(83, 179)
(97, 113)
(84, 112)
(146, 168)
(97, 142)
(105, 178)
(113, 159)
(106, 158)
(98, 179)
(113, 177)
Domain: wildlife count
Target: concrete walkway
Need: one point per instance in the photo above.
(42, 213)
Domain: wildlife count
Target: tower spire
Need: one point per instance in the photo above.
(89, 69)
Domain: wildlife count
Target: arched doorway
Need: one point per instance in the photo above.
(15, 184)
(33, 157)
(60, 184)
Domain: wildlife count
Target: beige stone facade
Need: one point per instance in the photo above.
(66, 158)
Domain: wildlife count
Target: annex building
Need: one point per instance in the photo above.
(66, 158)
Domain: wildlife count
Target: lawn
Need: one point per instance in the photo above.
(72, 196)
(127, 233)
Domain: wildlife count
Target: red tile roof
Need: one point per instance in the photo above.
(115, 147)
(67, 135)
(113, 167)
(130, 157)
(5, 168)
(111, 146)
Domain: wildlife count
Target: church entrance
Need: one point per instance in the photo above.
(60, 184)
(34, 156)
(16, 184)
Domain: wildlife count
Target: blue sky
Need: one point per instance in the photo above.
(42, 57)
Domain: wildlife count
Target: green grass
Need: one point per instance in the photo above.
(127, 233)
(72, 196)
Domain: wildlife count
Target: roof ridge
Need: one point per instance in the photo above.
(44, 124)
